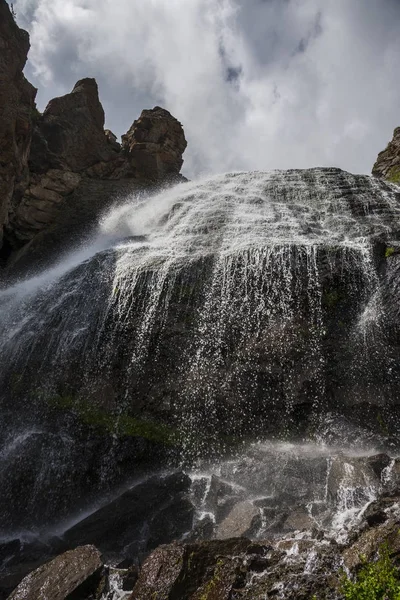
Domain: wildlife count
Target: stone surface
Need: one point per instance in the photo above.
(45, 157)
(17, 107)
(74, 572)
(153, 512)
(180, 571)
(40, 205)
(241, 521)
(298, 520)
(73, 127)
(154, 145)
(387, 164)
(283, 567)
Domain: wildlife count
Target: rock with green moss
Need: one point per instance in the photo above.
(119, 425)
(204, 571)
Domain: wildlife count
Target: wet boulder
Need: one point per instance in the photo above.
(74, 574)
(191, 571)
(153, 512)
(244, 519)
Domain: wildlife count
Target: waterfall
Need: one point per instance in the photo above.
(216, 313)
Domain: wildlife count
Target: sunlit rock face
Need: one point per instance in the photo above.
(246, 306)
(387, 164)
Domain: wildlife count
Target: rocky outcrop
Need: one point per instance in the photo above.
(154, 144)
(17, 106)
(45, 158)
(387, 164)
(70, 133)
(70, 144)
(74, 574)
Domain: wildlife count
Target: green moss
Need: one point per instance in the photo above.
(330, 299)
(394, 175)
(382, 425)
(389, 251)
(120, 425)
(214, 581)
(34, 114)
(16, 382)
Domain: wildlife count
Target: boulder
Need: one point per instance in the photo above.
(153, 512)
(154, 145)
(369, 542)
(17, 107)
(387, 164)
(76, 572)
(190, 571)
(243, 519)
(378, 463)
(299, 520)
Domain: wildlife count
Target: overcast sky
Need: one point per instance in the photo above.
(257, 84)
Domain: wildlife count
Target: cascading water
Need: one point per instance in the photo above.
(247, 307)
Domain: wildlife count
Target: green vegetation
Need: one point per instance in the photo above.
(381, 422)
(375, 581)
(209, 590)
(120, 425)
(394, 175)
(34, 114)
(331, 299)
(389, 251)
(379, 580)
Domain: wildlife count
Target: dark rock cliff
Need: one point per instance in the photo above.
(17, 102)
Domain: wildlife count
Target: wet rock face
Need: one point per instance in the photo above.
(75, 574)
(154, 144)
(387, 164)
(289, 566)
(182, 571)
(154, 512)
(220, 570)
(17, 104)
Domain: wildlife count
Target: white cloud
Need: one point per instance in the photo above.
(257, 84)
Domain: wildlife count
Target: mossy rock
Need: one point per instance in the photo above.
(119, 425)
(394, 175)
(389, 252)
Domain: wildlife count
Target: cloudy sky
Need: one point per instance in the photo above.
(257, 84)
